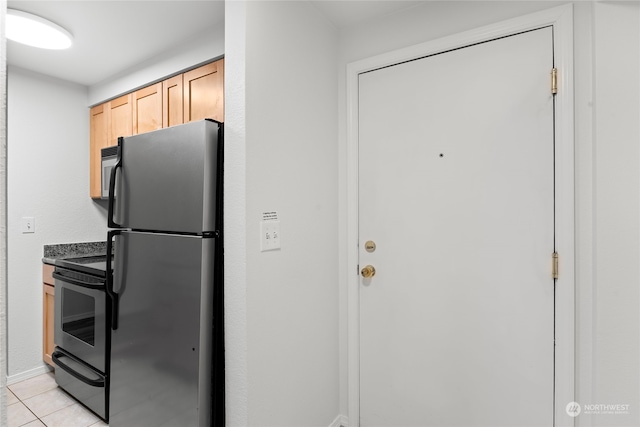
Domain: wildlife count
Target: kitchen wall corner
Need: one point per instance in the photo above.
(3, 215)
(48, 146)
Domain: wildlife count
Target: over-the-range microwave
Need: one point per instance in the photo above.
(109, 158)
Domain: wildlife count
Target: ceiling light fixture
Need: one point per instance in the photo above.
(33, 30)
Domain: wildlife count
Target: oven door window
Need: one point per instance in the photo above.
(79, 315)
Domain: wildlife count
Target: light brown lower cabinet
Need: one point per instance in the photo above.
(48, 292)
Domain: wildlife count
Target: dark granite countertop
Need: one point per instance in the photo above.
(73, 250)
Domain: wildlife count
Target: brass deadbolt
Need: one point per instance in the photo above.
(368, 271)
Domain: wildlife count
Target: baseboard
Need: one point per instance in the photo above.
(340, 421)
(12, 379)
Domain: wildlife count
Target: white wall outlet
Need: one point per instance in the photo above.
(269, 235)
(28, 224)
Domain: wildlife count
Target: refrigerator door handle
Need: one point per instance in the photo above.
(109, 287)
(112, 186)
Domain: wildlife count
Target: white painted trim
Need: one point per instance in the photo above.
(585, 268)
(340, 421)
(565, 217)
(12, 379)
(562, 20)
(3, 215)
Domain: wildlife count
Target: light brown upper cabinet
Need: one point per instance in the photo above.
(204, 92)
(120, 122)
(172, 105)
(194, 95)
(98, 140)
(147, 109)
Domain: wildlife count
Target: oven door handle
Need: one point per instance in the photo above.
(112, 186)
(56, 358)
(77, 282)
(109, 288)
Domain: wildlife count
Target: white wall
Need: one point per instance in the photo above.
(3, 216)
(235, 196)
(201, 48)
(291, 318)
(616, 323)
(607, 48)
(48, 176)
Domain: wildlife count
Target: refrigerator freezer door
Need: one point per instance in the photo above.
(168, 179)
(161, 352)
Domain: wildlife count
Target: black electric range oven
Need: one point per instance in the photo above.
(81, 331)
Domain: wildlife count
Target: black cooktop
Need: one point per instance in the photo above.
(95, 265)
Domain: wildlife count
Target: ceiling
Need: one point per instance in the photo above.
(111, 36)
(345, 13)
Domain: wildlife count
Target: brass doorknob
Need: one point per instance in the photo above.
(368, 271)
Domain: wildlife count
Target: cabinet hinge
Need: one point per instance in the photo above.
(554, 81)
(554, 265)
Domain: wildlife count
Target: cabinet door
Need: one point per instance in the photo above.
(119, 119)
(98, 140)
(47, 314)
(172, 102)
(147, 109)
(204, 92)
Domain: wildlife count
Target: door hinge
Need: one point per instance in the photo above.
(554, 81)
(554, 265)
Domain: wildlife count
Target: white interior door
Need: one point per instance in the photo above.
(456, 190)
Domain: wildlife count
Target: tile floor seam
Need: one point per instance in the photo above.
(38, 418)
(96, 422)
(28, 409)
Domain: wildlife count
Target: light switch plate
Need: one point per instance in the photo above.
(269, 235)
(28, 224)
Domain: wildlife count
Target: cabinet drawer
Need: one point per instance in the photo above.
(47, 273)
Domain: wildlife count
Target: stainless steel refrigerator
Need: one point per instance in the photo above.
(165, 282)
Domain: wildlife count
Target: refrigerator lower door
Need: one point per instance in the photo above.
(168, 179)
(161, 351)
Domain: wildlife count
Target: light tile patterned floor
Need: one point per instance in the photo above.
(39, 402)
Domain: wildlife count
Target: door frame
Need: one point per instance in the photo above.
(561, 18)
